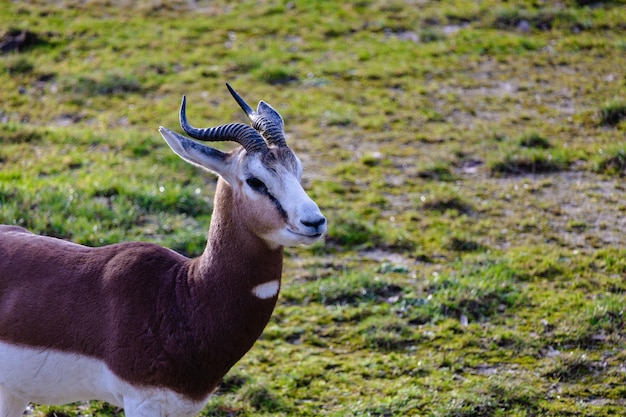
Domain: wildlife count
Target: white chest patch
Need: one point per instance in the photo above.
(267, 289)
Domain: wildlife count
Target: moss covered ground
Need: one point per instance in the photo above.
(470, 157)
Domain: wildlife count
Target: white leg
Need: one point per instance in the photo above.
(159, 403)
(11, 405)
(142, 410)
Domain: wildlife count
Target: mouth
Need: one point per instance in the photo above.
(307, 236)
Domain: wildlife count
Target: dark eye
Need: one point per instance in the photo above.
(257, 185)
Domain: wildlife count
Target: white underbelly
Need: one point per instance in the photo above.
(48, 376)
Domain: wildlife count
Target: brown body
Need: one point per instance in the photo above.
(153, 316)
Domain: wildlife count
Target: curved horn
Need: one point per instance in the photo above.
(266, 120)
(246, 136)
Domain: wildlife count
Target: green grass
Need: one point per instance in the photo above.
(469, 157)
(613, 113)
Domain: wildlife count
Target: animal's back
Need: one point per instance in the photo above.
(39, 359)
(37, 276)
(61, 295)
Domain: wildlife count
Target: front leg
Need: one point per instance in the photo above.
(11, 405)
(158, 402)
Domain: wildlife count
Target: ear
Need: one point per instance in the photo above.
(198, 154)
(268, 111)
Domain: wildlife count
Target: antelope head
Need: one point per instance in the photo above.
(263, 174)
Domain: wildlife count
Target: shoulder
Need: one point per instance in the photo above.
(144, 251)
(139, 259)
(4, 228)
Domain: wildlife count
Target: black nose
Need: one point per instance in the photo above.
(314, 223)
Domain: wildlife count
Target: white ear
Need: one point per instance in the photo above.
(268, 111)
(198, 154)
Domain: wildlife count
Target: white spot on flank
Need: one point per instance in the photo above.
(267, 289)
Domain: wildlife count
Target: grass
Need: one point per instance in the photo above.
(468, 155)
(613, 113)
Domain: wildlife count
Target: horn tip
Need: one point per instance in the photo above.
(244, 106)
(182, 117)
(231, 89)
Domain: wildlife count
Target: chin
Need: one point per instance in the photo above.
(286, 237)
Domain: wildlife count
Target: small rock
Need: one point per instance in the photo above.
(523, 26)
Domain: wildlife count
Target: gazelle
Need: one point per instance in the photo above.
(138, 325)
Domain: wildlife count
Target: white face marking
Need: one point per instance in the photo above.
(303, 223)
(47, 376)
(266, 290)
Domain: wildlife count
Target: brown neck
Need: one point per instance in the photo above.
(229, 318)
(232, 247)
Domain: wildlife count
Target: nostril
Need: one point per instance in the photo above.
(315, 223)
